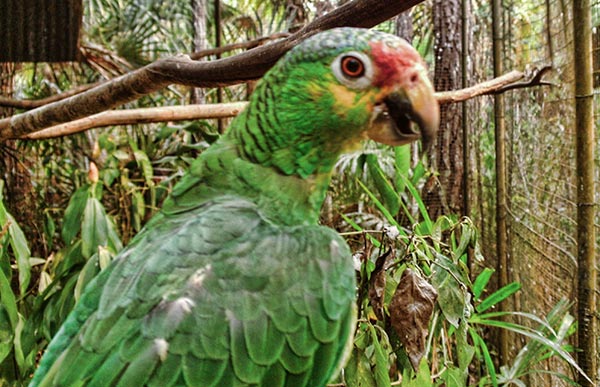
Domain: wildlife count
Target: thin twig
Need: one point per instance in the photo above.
(237, 46)
(34, 103)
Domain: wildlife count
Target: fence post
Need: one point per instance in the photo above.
(584, 139)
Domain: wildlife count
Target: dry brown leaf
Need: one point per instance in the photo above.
(410, 311)
(377, 286)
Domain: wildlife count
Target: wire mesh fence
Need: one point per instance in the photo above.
(541, 192)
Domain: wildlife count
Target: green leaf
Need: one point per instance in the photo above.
(144, 163)
(97, 229)
(361, 338)
(498, 296)
(384, 211)
(67, 258)
(19, 355)
(109, 175)
(94, 230)
(22, 254)
(489, 363)
(391, 199)
(6, 334)
(49, 230)
(466, 234)
(452, 295)
(427, 223)
(18, 244)
(89, 271)
(453, 377)
(381, 359)
(422, 379)
(481, 282)
(73, 214)
(358, 370)
(104, 257)
(465, 351)
(355, 226)
(8, 300)
(402, 158)
(531, 333)
(138, 207)
(418, 173)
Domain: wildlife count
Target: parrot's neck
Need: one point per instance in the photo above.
(272, 157)
(283, 199)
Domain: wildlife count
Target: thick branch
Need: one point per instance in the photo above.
(32, 104)
(182, 70)
(195, 112)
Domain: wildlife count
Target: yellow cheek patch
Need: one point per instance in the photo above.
(346, 99)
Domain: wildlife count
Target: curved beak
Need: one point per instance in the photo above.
(406, 104)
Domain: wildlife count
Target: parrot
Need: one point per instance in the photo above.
(233, 282)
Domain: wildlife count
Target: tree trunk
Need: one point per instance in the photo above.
(404, 26)
(200, 12)
(446, 195)
(19, 196)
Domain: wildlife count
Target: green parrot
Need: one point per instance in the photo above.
(234, 282)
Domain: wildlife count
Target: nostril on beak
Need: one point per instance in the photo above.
(414, 78)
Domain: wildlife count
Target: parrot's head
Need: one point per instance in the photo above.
(348, 83)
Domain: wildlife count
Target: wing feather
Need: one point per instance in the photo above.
(264, 342)
(216, 296)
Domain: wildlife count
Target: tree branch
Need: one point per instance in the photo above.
(34, 103)
(246, 66)
(501, 84)
(497, 85)
(140, 116)
(236, 46)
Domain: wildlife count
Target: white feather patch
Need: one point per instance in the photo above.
(161, 348)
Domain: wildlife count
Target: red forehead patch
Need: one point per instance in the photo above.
(391, 62)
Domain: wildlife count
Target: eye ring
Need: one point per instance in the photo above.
(352, 66)
(353, 69)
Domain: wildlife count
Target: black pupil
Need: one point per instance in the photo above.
(352, 66)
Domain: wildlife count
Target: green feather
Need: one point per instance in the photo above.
(293, 363)
(264, 342)
(203, 372)
(107, 373)
(301, 341)
(168, 373)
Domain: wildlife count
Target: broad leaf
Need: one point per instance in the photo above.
(452, 294)
(358, 370)
(73, 214)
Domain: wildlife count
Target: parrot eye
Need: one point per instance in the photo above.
(353, 69)
(352, 66)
